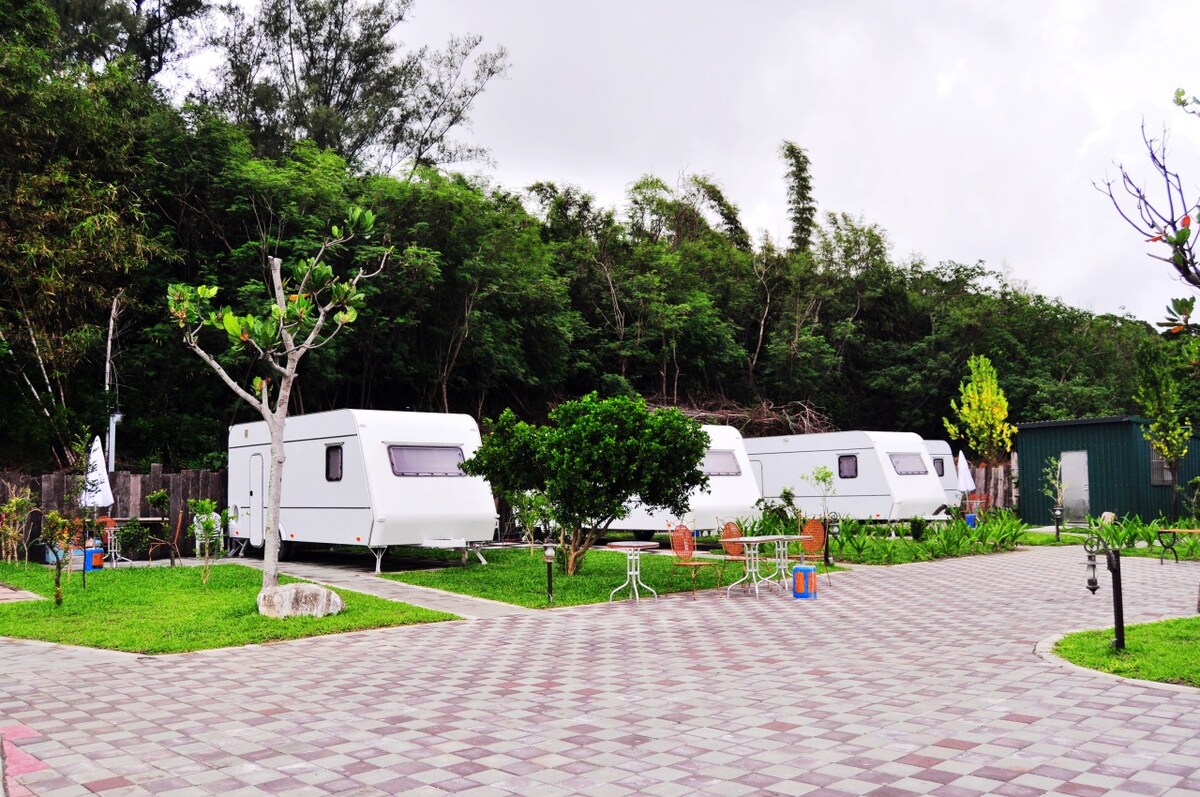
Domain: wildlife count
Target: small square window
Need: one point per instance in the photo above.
(848, 466)
(939, 467)
(1160, 473)
(333, 463)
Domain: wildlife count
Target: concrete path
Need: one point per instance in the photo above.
(360, 578)
(918, 679)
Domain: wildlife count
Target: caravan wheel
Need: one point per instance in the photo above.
(286, 548)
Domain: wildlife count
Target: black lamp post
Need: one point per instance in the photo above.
(833, 527)
(1112, 556)
(1057, 511)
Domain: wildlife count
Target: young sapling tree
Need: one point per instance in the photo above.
(309, 305)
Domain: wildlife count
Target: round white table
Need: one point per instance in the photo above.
(633, 566)
(754, 559)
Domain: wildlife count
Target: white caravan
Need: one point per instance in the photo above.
(944, 467)
(363, 477)
(876, 475)
(732, 490)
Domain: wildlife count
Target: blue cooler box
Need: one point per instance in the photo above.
(804, 582)
(93, 559)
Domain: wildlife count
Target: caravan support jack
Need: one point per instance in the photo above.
(379, 552)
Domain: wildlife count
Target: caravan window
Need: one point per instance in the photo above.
(720, 463)
(939, 467)
(908, 464)
(848, 466)
(426, 460)
(333, 463)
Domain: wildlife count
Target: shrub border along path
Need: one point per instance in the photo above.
(913, 679)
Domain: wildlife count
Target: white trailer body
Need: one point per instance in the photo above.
(876, 475)
(732, 491)
(363, 477)
(944, 467)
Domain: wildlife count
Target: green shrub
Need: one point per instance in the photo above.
(917, 527)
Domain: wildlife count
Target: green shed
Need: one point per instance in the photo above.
(1107, 466)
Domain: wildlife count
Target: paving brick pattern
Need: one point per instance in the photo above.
(911, 680)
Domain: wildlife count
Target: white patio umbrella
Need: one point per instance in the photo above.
(966, 482)
(96, 489)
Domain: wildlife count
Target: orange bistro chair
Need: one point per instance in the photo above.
(734, 551)
(683, 545)
(814, 546)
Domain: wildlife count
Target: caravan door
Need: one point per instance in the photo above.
(258, 500)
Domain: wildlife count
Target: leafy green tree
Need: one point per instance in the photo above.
(593, 458)
(484, 321)
(73, 228)
(331, 71)
(306, 309)
(982, 417)
(1169, 432)
(151, 32)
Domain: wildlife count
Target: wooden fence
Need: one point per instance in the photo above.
(130, 491)
(51, 490)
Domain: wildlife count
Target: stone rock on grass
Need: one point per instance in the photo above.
(299, 600)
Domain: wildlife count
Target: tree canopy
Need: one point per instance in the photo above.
(592, 459)
(509, 297)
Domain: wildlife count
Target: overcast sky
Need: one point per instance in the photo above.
(968, 130)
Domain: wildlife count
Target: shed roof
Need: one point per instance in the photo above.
(1082, 422)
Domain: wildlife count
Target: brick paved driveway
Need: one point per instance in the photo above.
(918, 679)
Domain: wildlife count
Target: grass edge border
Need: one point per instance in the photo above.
(1044, 649)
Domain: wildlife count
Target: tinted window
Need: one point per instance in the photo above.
(939, 467)
(720, 463)
(426, 460)
(908, 464)
(848, 466)
(333, 463)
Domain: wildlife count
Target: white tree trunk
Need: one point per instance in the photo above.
(274, 495)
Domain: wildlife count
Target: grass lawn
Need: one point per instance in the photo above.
(1072, 537)
(514, 576)
(1167, 651)
(168, 610)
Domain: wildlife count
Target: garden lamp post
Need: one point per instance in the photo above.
(1057, 511)
(548, 556)
(833, 527)
(1112, 556)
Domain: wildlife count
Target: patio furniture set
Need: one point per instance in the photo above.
(736, 548)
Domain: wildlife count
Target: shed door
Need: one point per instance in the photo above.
(258, 500)
(1075, 486)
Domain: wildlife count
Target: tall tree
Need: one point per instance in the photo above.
(330, 71)
(152, 32)
(72, 225)
(802, 209)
